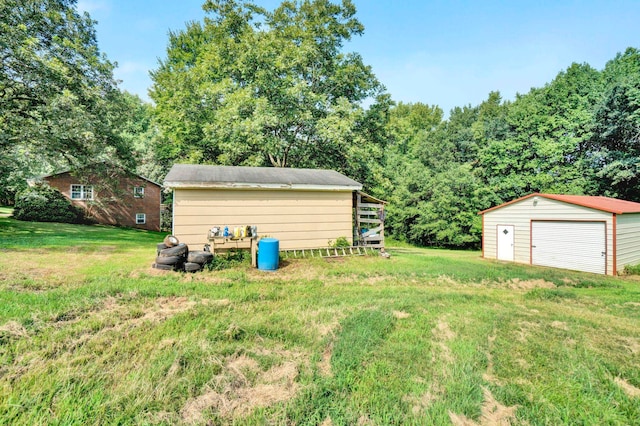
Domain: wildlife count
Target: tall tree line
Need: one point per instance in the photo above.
(250, 86)
(579, 134)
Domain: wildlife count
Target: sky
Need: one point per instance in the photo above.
(445, 53)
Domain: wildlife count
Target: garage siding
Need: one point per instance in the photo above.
(521, 213)
(628, 229)
(299, 219)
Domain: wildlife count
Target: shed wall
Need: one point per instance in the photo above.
(520, 214)
(628, 240)
(299, 219)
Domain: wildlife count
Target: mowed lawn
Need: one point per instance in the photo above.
(90, 334)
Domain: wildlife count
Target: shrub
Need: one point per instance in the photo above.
(340, 242)
(228, 260)
(42, 203)
(631, 270)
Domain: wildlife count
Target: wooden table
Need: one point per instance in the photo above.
(222, 244)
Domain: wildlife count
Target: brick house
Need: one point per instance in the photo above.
(111, 195)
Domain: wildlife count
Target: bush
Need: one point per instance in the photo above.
(228, 260)
(631, 270)
(340, 242)
(42, 203)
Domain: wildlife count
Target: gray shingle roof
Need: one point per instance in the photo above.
(204, 176)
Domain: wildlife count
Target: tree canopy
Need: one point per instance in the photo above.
(251, 86)
(256, 87)
(58, 99)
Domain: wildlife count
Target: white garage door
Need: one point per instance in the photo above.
(580, 246)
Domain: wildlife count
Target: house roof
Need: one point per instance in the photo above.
(230, 177)
(605, 204)
(61, 172)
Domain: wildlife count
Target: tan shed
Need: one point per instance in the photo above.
(303, 208)
(583, 233)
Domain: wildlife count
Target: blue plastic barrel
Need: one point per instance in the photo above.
(268, 254)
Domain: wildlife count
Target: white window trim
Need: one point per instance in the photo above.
(84, 190)
(139, 194)
(143, 216)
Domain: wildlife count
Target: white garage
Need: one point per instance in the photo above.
(582, 233)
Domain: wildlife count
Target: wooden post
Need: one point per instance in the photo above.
(254, 252)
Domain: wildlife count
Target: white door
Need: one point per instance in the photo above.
(505, 242)
(580, 246)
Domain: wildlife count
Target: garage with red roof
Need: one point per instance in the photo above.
(578, 232)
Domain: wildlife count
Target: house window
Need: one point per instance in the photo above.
(138, 191)
(81, 192)
(141, 218)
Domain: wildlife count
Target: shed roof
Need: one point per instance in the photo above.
(605, 204)
(205, 176)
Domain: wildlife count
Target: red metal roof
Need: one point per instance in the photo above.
(606, 204)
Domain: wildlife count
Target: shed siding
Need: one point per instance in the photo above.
(628, 240)
(520, 214)
(299, 219)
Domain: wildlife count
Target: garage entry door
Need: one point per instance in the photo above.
(580, 246)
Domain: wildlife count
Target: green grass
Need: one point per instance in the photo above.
(90, 334)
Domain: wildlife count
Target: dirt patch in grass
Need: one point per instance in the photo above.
(401, 314)
(327, 422)
(443, 332)
(241, 395)
(325, 320)
(324, 366)
(216, 302)
(297, 269)
(364, 420)
(420, 403)
(633, 344)
(560, 325)
(517, 283)
(162, 309)
(375, 279)
(241, 365)
(526, 328)
(325, 329)
(493, 413)
(12, 330)
(627, 387)
(445, 279)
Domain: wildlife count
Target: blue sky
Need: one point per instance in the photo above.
(448, 53)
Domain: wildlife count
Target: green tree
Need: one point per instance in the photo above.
(433, 195)
(543, 149)
(139, 131)
(615, 146)
(56, 90)
(256, 87)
